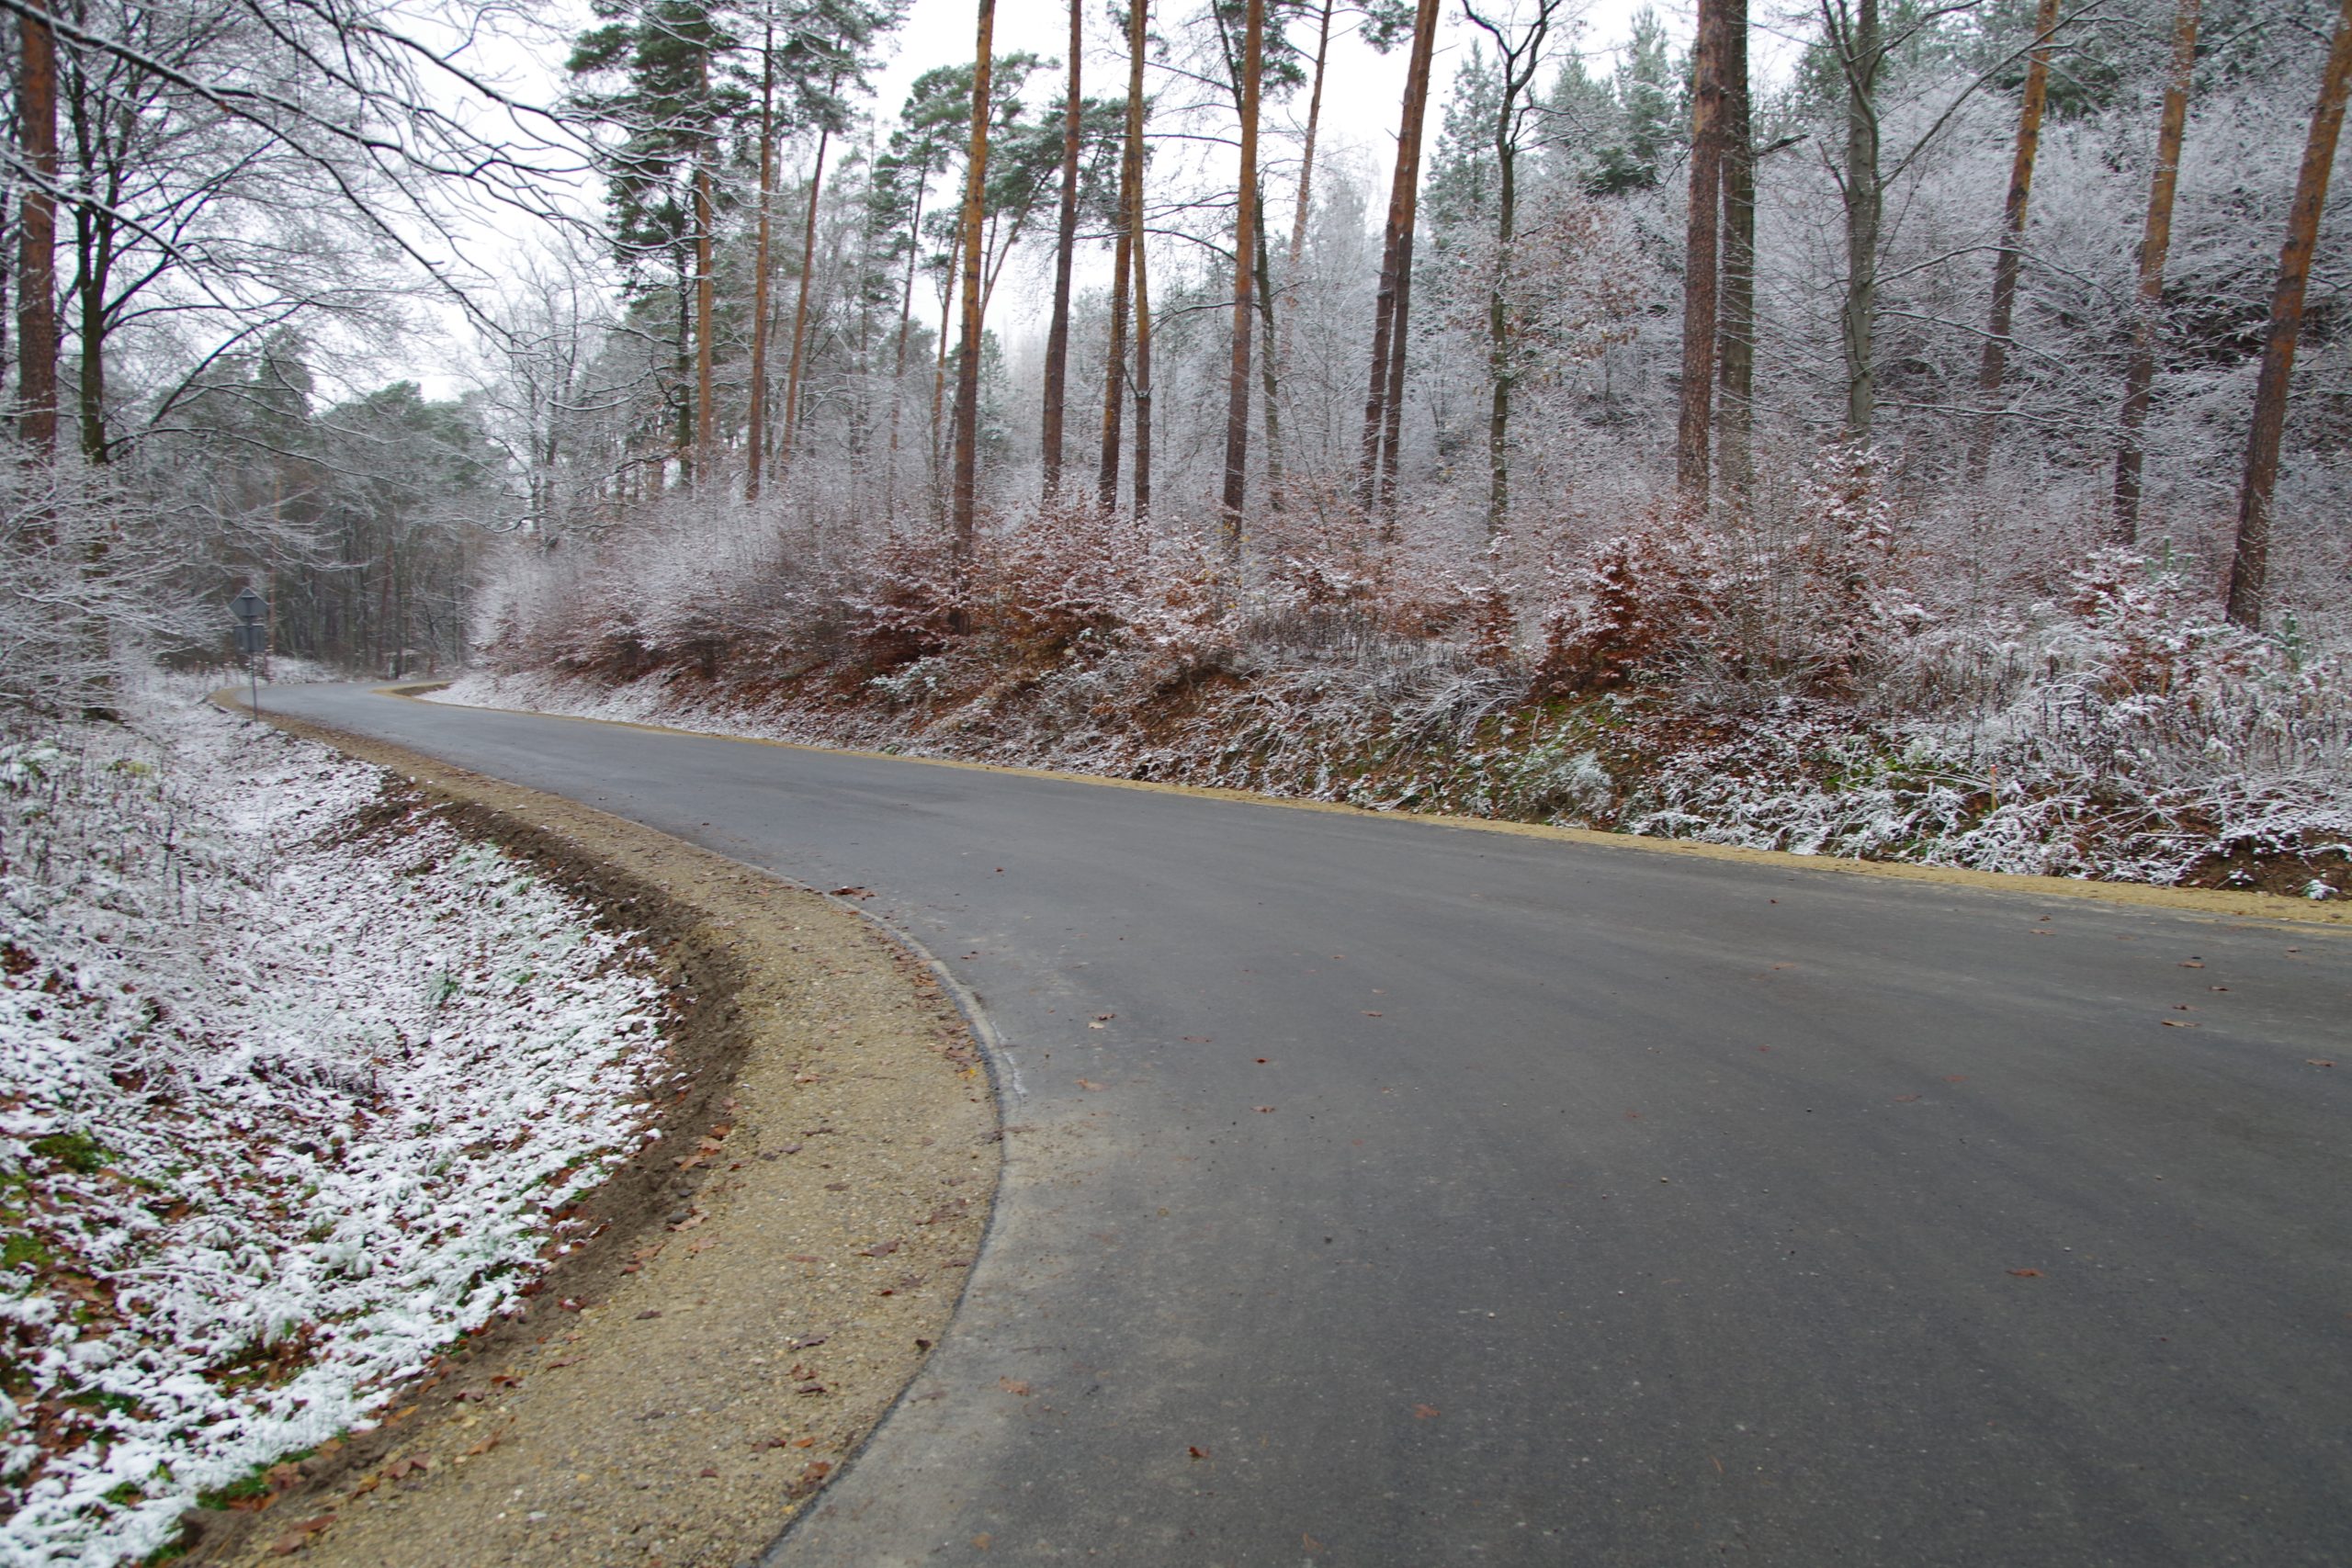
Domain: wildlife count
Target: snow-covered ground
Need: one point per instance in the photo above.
(293, 1092)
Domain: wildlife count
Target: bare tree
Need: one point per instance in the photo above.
(2250, 563)
(1519, 50)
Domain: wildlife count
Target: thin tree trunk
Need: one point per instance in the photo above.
(2155, 239)
(1499, 367)
(1269, 377)
(36, 238)
(2007, 264)
(96, 242)
(1863, 198)
(2250, 565)
(939, 367)
(1245, 202)
(1735, 363)
(898, 365)
(1143, 363)
(1129, 229)
(1702, 238)
(967, 360)
(705, 423)
(761, 264)
(1064, 246)
(1280, 344)
(800, 308)
(1395, 260)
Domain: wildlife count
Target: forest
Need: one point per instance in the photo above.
(1909, 429)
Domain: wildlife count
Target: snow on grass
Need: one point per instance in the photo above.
(289, 1100)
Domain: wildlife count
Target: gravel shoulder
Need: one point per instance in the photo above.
(767, 1277)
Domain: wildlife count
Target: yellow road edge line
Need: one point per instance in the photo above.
(2260, 907)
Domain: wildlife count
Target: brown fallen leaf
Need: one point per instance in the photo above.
(2178, 1023)
(853, 893)
(880, 1248)
(2192, 963)
(1265, 1110)
(2318, 1062)
(980, 1542)
(484, 1446)
(2027, 1273)
(1309, 1543)
(1196, 1451)
(1018, 1390)
(805, 1258)
(1424, 1411)
(1904, 1099)
(1089, 1083)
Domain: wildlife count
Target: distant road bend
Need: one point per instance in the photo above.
(1379, 1192)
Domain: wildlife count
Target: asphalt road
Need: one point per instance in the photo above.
(1432, 1197)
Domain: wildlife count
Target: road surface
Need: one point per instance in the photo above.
(1379, 1193)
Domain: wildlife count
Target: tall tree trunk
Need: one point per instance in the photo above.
(36, 238)
(2250, 565)
(94, 239)
(1246, 203)
(898, 365)
(1129, 226)
(1143, 363)
(1064, 246)
(706, 422)
(939, 368)
(1860, 50)
(683, 436)
(2011, 258)
(800, 308)
(1395, 256)
(1498, 358)
(1702, 238)
(1279, 344)
(968, 361)
(763, 263)
(2155, 239)
(1269, 377)
(1736, 361)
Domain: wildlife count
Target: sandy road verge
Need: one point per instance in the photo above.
(770, 1273)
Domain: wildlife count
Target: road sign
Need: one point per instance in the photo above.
(248, 606)
(253, 636)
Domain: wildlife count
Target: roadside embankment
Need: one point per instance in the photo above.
(764, 1280)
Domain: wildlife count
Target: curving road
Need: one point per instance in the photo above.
(1431, 1197)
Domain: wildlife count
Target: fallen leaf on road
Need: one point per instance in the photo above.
(1309, 1543)
(2192, 963)
(2027, 1273)
(2319, 1062)
(1370, 1014)
(880, 1248)
(1018, 1390)
(1265, 1110)
(1197, 1452)
(1424, 1411)
(1904, 1099)
(2178, 1023)
(1089, 1083)
(1200, 1040)
(853, 893)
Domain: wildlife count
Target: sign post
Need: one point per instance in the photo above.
(253, 637)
